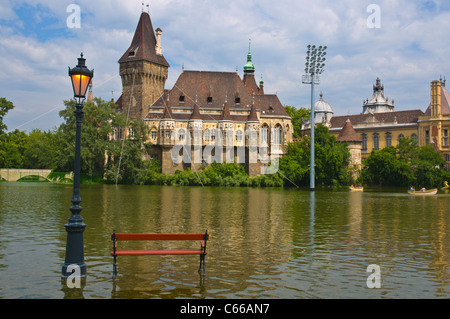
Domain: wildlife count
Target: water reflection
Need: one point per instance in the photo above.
(264, 243)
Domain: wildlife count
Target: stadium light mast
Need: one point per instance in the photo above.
(315, 58)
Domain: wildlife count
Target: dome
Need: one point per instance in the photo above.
(322, 111)
(322, 106)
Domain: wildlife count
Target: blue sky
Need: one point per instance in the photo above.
(409, 49)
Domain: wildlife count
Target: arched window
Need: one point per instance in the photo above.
(388, 139)
(401, 136)
(181, 134)
(414, 136)
(277, 138)
(264, 135)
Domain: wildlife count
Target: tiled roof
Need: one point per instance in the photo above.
(401, 117)
(143, 45)
(348, 133)
(209, 90)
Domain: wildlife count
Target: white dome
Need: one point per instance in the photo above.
(322, 111)
(322, 107)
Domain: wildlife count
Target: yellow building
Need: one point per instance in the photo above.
(380, 126)
(434, 125)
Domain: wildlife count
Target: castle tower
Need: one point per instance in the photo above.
(143, 70)
(354, 144)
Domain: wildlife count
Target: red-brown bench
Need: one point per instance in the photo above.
(153, 237)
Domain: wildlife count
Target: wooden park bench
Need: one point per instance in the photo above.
(154, 237)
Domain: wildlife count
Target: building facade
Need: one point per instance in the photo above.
(206, 116)
(379, 125)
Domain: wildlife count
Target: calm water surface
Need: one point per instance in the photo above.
(264, 243)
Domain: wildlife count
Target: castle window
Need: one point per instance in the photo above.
(181, 99)
(154, 135)
(364, 142)
(445, 139)
(131, 53)
(181, 135)
(237, 100)
(447, 157)
(401, 136)
(209, 99)
(277, 135)
(388, 139)
(427, 137)
(207, 134)
(239, 136)
(414, 136)
(264, 135)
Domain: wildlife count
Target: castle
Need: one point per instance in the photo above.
(206, 116)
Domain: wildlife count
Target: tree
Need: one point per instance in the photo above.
(99, 121)
(298, 116)
(5, 106)
(407, 164)
(331, 160)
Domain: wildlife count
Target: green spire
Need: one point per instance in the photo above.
(249, 67)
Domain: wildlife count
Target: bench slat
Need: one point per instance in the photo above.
(159, 252)
(160, 236)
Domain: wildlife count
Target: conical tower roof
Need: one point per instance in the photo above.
(253, 117)
(348, 133)
(225, 115)
(195, 115)
(143, 46)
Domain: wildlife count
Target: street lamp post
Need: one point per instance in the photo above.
(315, 58)
(81, 77)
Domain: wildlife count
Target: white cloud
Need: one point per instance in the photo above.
(407, 52)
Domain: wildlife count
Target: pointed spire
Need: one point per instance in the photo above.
(195, 115)
(249, 67)
(253, 117)
(225, 116)
(143, 45)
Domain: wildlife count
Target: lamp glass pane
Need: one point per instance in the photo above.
(80, 84)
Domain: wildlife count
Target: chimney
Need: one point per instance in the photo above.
(158, 42)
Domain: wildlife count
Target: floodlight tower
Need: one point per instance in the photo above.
(315, 58)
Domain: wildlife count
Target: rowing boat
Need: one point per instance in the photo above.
(424, 193)
(356, 189)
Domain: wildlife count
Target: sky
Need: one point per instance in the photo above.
(403, 42)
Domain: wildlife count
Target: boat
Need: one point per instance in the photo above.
(423, 192)
(356, 188)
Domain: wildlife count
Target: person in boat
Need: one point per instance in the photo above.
(412, 189)
(423, 189)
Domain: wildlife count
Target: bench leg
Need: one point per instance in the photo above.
(202, 265)
(114, 268)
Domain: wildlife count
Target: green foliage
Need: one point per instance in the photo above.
(405, 165)
(331, 160)
(216, 174)
(298, 116)
(5, 106)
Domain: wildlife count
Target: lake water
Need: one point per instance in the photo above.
(264, 243)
